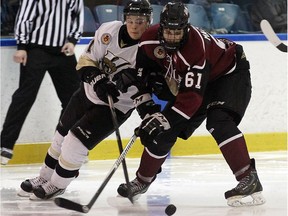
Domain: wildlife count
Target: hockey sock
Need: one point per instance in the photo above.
(55, 149)
(149, 166)
(46, 171)
(236, 155)
(61, 178)
(222, 126)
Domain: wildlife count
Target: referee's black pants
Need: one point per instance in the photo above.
(62, 70)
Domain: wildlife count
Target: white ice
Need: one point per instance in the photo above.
(194, 184)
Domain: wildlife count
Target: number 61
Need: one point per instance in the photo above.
(190, 79)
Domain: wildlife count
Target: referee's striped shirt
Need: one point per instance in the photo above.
(49, 23)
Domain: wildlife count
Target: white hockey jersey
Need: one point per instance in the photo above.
(105, 52)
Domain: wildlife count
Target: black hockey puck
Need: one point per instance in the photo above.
(170, 209)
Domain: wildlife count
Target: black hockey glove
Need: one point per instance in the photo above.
(104, 87)
(89, 73)
(144, 104)
(128, 77)
(156, 81)
(151, 127)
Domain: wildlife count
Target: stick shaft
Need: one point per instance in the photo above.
(120, 160)
(119, 142)
(69, 204)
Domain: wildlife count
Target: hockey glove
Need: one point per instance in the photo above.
(151, 127)
(88, 74)
(144, 104)
(128, 77)
(157, 82)
(104, 87)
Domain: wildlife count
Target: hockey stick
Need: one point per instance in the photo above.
(120, 146)
(271, 36)
(68, 204)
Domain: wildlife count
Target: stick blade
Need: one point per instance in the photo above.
(68, 204)
(269, 33)
(271, 36)
(282, 47)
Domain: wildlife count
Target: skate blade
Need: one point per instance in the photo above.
(23, 193)
(4, 160)
(136, 197)
(34, 198)
(241, 201)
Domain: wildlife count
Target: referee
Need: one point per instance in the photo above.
(46, 32)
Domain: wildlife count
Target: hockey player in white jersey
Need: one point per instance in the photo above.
(87, 119)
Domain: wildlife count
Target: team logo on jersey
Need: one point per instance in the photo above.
(159, 52)
(111, 63)
(106, 38)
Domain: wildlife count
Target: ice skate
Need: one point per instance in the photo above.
(137, 188)
(6, 155)
(47, 191)
(29, 185)
(247, 192)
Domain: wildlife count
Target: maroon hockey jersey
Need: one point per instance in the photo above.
(200, 60)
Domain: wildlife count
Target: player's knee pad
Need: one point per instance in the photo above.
(163, 146)
(221, 125)
(62, 128)
(73, 153)
(55, 149)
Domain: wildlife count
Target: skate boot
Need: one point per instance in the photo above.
(47, 191)
(6, 155)
(29, 185)
(247, 186)
(137, 188)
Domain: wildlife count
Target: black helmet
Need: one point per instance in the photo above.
(175, 15)
(138, 7)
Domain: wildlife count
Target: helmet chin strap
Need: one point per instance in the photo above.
(171, 47)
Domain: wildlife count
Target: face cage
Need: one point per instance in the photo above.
(172, 47)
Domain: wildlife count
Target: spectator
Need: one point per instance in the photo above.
(92, 4)
(8, 14)
(42, 45)
(206, 4)
(274, 11)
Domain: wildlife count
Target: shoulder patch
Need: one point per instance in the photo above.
(106, 38)
(159, 52)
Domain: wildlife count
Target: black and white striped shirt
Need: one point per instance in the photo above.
(49, 23)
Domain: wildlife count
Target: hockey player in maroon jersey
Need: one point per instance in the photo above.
(201, 77)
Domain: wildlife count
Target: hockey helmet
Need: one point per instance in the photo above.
(138, 7)
(174, 16)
